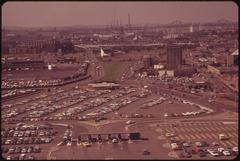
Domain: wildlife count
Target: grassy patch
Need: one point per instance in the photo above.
(114, 70)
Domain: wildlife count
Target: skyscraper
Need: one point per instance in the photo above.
(174, 56)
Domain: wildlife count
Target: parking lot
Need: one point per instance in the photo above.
(26, 141)
(206, 133)
(119, 110)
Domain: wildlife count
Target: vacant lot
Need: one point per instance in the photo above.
(114, 70)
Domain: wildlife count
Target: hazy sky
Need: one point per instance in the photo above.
(33, 14)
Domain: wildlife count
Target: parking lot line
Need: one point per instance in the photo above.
(224, 144)
(182, 129)
(209, 136)
(229, 134)
(176, 129)
(187, 130)
(203, 136)
(192, 129)
(203, 129)
(181, 137)
(235, 135)
(234, 128)
(192, 136)
(218, 129)
(212, 128)
(222, 128)
(186, 136)
(197, 136)
(231, 128)
(233, 142)
(229, 143)
(208, 128)
(214, 135)
(198, 129)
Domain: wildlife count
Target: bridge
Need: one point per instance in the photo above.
(119, 45)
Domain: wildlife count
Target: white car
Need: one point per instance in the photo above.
(166, 115)
(69, 143)
(186, 145)
(169, 135)
(199, 144)
(130, 122)
(226, 153)
(9, 158)
(235, 149)
(175, 146)
(220, 150)
(214, 153)
(114, 140)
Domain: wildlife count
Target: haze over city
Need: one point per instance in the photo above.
(40, 14)
(120, 80)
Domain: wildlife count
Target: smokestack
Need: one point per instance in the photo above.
(129, 21)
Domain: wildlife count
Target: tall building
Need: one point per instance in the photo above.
(174, 56)
(147, 60)
(191, 28)
(232, 59)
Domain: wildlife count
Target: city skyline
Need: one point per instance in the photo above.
(29, 14)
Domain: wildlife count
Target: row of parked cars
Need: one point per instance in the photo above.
(27, 133)
(136, 115)
(25, 101)
(153, 102)
(51, 105)
(23, 127)
(91, 104)
(73, 113)
(19, 141)
(202, 148)
(14, 111)
(21, 157)
(187, 153)
(15, 92)
(202, 109)
(116, 105)
(18, 149)
(29, 83)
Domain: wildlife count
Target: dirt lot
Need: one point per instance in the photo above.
(114, 70)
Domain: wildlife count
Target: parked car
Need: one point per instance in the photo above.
(146, 152)
(235, 149)
(202, 154)
(130, 122)
(115, 140)
(215, 144)
(226, 153)
(86, 144)
(9, 158)
(186, 144)
(169, 134)
(220, 149)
